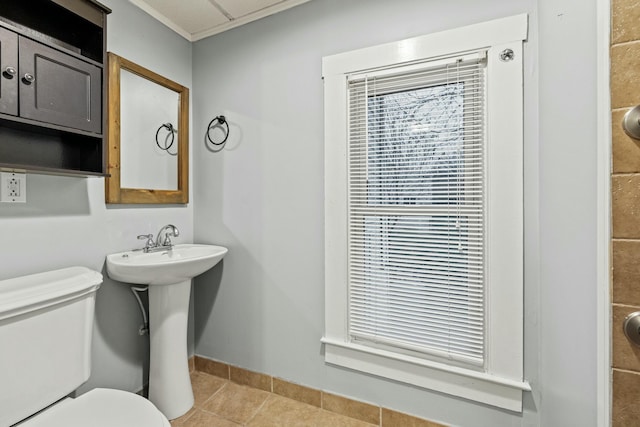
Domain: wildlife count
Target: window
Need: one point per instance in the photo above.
(416, 209)
(423, 191)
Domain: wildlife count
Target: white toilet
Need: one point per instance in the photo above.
(46, 322)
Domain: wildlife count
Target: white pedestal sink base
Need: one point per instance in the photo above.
(169, 382)
(168, 272)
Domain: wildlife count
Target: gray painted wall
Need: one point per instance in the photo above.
(567, 212)
(65, 221)
(263, 307)
(263, 198)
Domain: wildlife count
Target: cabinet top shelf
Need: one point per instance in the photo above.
(77, 25)
(67, 3)
(88, 9)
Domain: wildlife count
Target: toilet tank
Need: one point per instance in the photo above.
(46, 322)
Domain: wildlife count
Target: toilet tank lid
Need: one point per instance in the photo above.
(28, 293)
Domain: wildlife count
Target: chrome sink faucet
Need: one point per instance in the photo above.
(167, 231)
(163, 240)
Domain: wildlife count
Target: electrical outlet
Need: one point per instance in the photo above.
(13, 187)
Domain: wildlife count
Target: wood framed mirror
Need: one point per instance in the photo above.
(148, 136)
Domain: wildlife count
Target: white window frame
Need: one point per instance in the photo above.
(500, 382)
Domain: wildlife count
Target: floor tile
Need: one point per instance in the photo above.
(220, 402)
(236, 402)
(178, 422)
(330, 419)
(280, 411)
(204, 386)
(206, 419)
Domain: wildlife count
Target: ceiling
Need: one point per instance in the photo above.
(197, 19)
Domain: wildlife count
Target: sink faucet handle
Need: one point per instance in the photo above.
(149, 238)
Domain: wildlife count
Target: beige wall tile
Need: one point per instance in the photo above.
(252, 379)
(625, 75)
(297, 392)
(351, 408)
(625, 411)
(212, 367)
(625, 150)
(626, 271)
(625, 206)
(625, 15)
(625, 354)
(396, 419)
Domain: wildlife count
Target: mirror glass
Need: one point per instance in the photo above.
(148, 136)
(148, 142)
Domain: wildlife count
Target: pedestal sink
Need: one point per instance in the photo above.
(168, 274)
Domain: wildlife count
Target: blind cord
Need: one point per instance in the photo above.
(217, 122)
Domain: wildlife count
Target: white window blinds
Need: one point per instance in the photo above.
(416, 209)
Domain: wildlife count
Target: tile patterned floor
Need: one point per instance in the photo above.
(221, 403)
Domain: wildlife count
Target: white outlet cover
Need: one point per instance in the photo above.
(7, 183)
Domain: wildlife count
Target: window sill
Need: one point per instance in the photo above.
(477, 386)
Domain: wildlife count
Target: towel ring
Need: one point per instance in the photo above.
(217, 121)
(167, 145)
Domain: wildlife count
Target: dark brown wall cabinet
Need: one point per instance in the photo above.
(52, 87)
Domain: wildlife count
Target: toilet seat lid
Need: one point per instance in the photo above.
(101, 408)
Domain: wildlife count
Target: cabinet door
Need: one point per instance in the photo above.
(8, 72)
(58, 88)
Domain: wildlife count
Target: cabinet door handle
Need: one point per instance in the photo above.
(28, 78)
(9, 72)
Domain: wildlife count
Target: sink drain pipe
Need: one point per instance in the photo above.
(144, 328)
